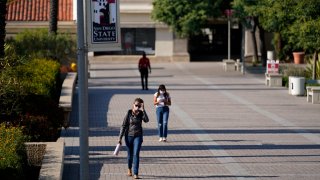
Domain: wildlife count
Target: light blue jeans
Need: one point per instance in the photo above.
(133, 144)
(162, 117)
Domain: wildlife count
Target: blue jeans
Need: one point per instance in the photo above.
(133, 148)
(162, 117)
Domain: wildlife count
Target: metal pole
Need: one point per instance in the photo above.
(229, 41)
(83, 93)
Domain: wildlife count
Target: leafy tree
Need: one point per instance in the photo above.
(245, 10)
(185, 17)
(273, 16)
(305, 32)
(297, 23)
(294, 22)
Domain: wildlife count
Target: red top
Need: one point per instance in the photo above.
(144, 63)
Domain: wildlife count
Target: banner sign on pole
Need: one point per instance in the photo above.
(103, 25)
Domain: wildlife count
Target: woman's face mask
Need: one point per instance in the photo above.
(161, 92)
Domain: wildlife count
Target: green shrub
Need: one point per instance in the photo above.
(309, 69)
(11, 92)
(291, 70)
(41, 44)
(11, 58)
(285, 81)
(12, 153)
(37, 77)
(40, 77)
(29, 97)
(43, 127)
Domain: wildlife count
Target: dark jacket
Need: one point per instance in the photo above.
(132, 125)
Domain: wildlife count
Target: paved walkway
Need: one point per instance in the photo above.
(221, 126)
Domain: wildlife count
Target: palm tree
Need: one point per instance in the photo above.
(53, 21)
(3, 12)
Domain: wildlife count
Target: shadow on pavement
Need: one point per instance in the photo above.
(99, 99)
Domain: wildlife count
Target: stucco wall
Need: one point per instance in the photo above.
(164, 42)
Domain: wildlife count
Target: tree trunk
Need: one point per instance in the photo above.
(254, 41)
(278, 45)
(243, 45)
(263, 49)
(53, 22)
(3, 12)
(314, 70)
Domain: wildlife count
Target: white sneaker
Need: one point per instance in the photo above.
(164, 139)
(161, 139)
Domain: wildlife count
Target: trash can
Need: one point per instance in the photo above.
(297, 85)
(290, 84)
(270, 55)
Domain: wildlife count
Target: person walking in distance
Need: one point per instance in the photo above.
(162, 101)
(144, 68)
(132, 130)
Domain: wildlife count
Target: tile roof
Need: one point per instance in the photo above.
(38, 10)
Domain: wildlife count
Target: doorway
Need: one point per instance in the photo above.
(212, 44)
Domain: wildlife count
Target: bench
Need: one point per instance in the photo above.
(228, 64)
(66, 96)
(273, 79)
(313, 92)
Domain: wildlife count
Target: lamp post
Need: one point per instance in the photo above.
(83, 91)
(228, 12)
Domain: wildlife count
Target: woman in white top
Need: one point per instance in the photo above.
(162, 101)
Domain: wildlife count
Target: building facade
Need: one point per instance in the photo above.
(138, 31)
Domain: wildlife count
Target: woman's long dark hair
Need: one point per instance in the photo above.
(162, 87)
(139, 100)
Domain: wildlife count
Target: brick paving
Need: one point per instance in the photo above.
(222, 125)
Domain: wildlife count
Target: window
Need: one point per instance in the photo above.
(137, 40)
(134, 41)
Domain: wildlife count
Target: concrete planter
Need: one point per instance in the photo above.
(48, 155)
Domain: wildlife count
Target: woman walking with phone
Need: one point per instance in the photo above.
(133, 132)
(162, 101)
